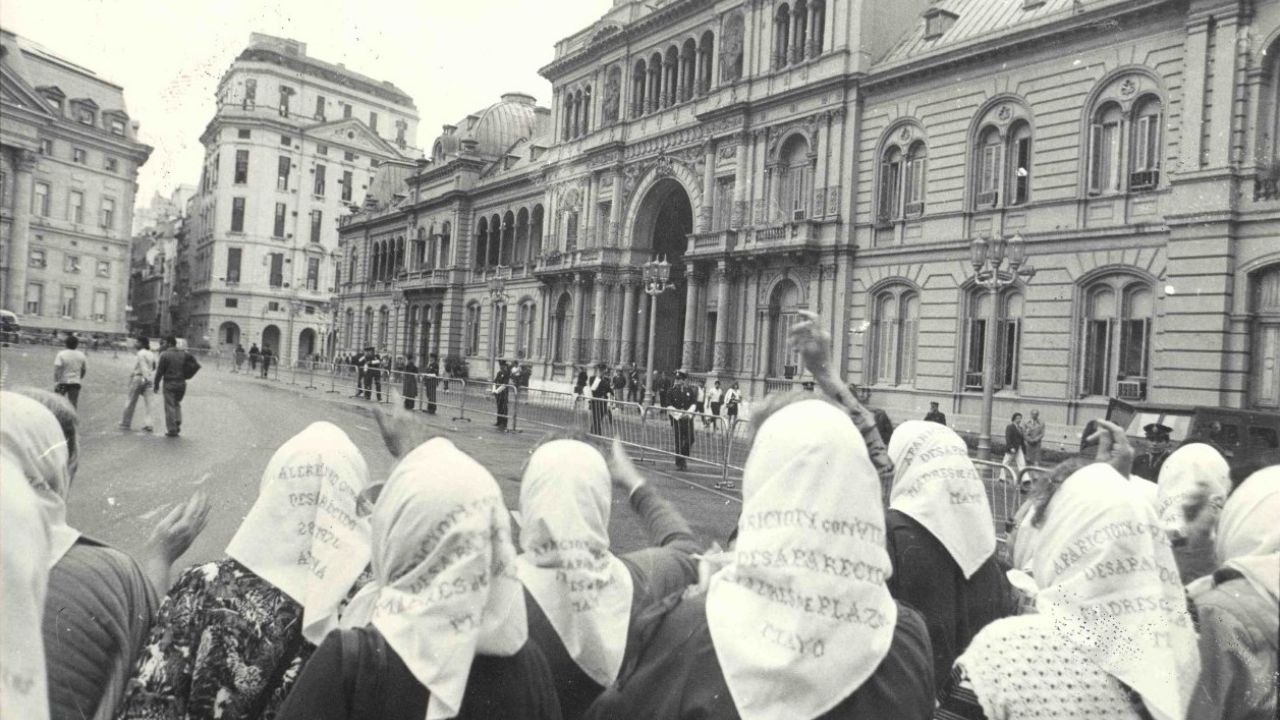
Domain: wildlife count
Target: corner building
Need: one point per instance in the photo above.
(838, 157)
(295, 144)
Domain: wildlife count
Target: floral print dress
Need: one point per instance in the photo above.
(226, 644)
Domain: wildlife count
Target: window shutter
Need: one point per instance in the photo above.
(884, 192)
(1095, 161)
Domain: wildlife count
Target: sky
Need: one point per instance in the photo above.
(452, 57)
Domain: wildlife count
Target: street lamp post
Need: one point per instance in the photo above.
(497, 295)
(988, 259)
(656, 274)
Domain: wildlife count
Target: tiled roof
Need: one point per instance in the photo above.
(982, 19)
(40, 67)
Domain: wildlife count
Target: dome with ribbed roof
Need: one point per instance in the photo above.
(489, 133)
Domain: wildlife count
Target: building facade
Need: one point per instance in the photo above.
(838, 158)
(294, 144)
(153, 261)
(69, 159)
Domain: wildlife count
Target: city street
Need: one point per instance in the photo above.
(232, 424)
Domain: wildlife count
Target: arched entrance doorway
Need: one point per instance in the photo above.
(663, 223)
(229, 334)
(784, 303)
(306, 344)
(271, 339)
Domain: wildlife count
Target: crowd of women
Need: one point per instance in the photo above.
(345, 596)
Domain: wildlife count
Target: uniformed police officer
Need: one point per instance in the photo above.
(1148, 466)
(680, 400)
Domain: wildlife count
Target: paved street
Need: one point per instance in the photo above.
(232, 424)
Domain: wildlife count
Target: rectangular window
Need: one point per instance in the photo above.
(108, 213)
(110, 164)
(1022, 171)
(886, 349)
(349, 156)
(1104, 149)
(277, 229)
(36, 258)
(346, 110)
(282, 172)
(318, 185)
(70, 302)
(40, 200)
(320, 107)
(313, 274)
(914, 204)
(100, 305)
(242, 167)
(277, 270)
(346, 186)
(603, 212)
(1097, 357)
(285, 92)
(1134, 338)
(722, 204)
(286, 141)
(1145, 174)
(976, 355)
(86, 116)
(373, 121)
(1009, 336)
(237, 214)
(104, 268)
(46, 148)
(117, 127)
(243, 134)
(233, 265)
(317, 224)
(79, 155)
(217, 170)
(71, 263)
(231, 302)
(322, 149)
(250, 93)
(890, 191)
(75, 207)
(35, 299)
(989, 176)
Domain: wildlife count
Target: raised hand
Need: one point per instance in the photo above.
(172, 537)
(624, 471)
(1113, 447)
(399, 434)
(812, 342)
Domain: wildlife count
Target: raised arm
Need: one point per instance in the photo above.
(814, 345)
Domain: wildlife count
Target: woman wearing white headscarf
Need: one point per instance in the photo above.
(1195, 479)
(232, 635)
(99, 603)
(1238, 607)
(24, 579)
(582, 600)
(800, 625)
(440, 632)
(1112, 637)
(942, 541)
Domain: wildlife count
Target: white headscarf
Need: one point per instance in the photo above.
(1110, 587)
(585, 591)
(1249, 531)
(802, 617)
(936, 484)
(1191, 470)
(24, 578)
(445, 587)
(303, 535)
(32, 438)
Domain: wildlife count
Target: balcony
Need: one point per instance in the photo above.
(557, 263)
(789, 237)
(1266, 187)
(712, 244)
(425, 279)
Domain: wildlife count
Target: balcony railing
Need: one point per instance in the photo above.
(1144, 179)
(712, 243)
(1266, 188)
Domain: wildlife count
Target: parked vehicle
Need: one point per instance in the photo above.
(9, 327)
(1236, 433)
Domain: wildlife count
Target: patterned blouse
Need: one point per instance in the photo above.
(226, 644)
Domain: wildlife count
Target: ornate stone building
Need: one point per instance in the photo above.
(835, 157)
(69, 159)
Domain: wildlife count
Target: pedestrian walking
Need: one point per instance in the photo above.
(601, 391)
(267, 356)
(175, 368)
(69, 367)
(239, 357)
(1033, 434)
(681, 402)
(409, 389)
(254, 356)
(430, 382)
(935, 415)
(1015, 445)
(501, 386)
(140, 379)
(732, 399)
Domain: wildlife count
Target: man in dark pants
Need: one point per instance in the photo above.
(430, 382)
(361, 359)
(680, 400)
(601, 391)
(172, 370)
(410, 388)
(266, 360)
(372, 374)
(501, 387)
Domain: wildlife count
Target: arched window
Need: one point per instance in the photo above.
(499, 330)
(349, 328)
(400, 266)
(586, 111)
(1104, 149)
(1264, 346)
(571, 231)
(368, 326)
(799, 30)
(420, 250)
(990, 167)
(1116, 337)
(351, 276)
(784, 304)
(495, 240)
(795, 179)
(567, 131)
(913, 196)
(1144, 167)
(1008, 338)
(705, 49)
(688, 69)
(471, 338)
(639, 81)
(521, 252)
(445, 259)
(732, 46)
(654, 94)
(560, 330)
(896, 313)
(525, 323)
(670, 77)
(781, 36)
(482, 242)
(1268, 153)
(902, 181)
(508, 241)
(1019, 184)
(818, 22)
(535, 233)
(384, 328)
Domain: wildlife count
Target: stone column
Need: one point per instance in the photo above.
(602, 290)
(720, 352)
(575, 332)
(690, 318)
(742, 154)
(616, 209)
(642, 330)
(630, 291)
(20, 231)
